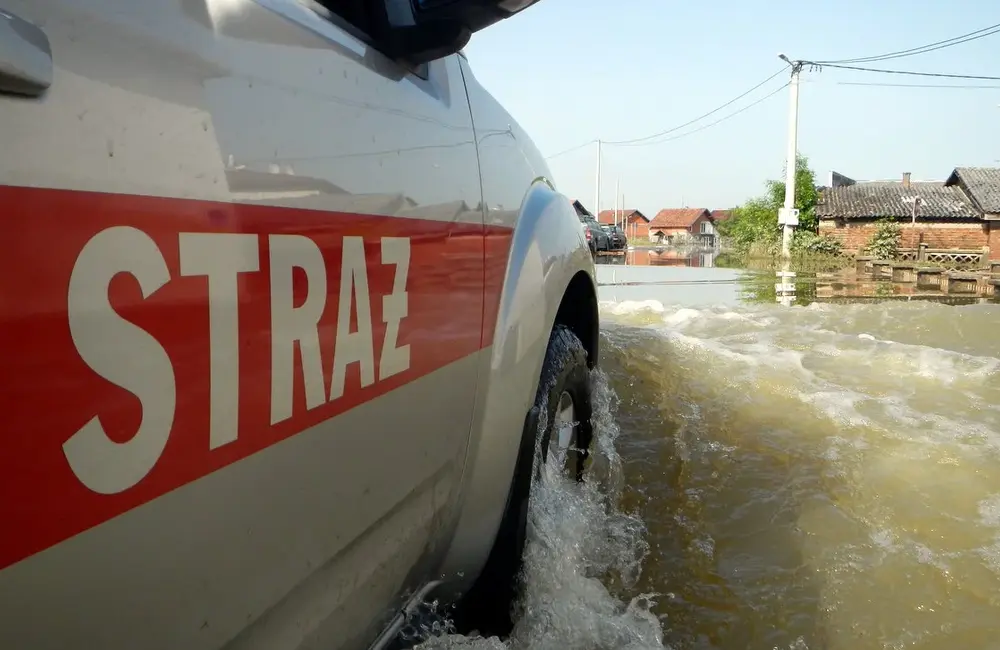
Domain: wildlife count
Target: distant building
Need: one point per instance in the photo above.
(633, 222)
(672, 225)
(718, 216)
(962, 212)
(982, 186)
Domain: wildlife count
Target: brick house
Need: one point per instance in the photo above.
(951, 214)
(669, 223)
(982, 186)
(636, 224)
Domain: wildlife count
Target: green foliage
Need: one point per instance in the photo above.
(753, 225)
(806, 241)
(884, 244)
(806, 194)
(753, 228)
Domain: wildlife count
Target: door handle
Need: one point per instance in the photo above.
(25, 57)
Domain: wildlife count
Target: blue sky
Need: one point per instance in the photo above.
(574, 70)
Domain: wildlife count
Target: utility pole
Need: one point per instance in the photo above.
(618, 189)
(597, 191)
(788, 217)
(624, 222)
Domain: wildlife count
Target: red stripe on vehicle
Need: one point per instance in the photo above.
(110, 338)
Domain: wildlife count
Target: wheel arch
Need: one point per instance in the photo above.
(549, 280)
(578, 312)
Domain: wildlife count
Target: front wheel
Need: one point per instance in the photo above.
(560, 424)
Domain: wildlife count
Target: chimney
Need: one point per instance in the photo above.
(906, 180)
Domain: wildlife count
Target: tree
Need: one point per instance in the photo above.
(754, 225)
(806, 194)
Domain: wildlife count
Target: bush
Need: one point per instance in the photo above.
(753, 228)
(806, 241)
(884, 244)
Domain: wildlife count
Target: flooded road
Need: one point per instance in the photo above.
(821, 476)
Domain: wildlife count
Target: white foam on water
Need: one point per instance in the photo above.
(901, 420)
(577, 536)
(633, 306)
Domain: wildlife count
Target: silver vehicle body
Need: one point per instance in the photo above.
(272, 309)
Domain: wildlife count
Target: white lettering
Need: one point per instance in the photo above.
(395, 307)
(357, 346)
(124, 354)
(291, 324)
(220, 257)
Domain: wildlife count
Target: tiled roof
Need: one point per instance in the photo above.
(721, 215)
(873, 199)
(608, 216)
(676, 217)
(982, 184)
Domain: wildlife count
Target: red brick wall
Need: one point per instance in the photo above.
(993, 238)
(637, 227)
(855, 235)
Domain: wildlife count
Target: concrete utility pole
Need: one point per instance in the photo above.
(618, 189)
(597, 192)
(788, 217)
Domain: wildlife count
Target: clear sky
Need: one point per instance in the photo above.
(574, 70)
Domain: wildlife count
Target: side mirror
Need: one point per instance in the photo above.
(420, 31)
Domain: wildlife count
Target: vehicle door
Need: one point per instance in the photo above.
(241, 296)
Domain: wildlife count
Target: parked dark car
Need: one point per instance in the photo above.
(616, 236)
(598, 240)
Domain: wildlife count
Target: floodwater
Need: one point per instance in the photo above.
(824, 475)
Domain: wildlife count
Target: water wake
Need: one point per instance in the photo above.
(580, 542)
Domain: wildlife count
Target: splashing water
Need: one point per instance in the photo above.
(822, 477)
(579, 543)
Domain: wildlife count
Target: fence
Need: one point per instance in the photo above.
(949, 259)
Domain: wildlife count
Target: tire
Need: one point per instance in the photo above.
(489, 605)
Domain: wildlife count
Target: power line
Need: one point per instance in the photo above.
(884, 85)
(571, 149)
(930, 47)
(906, 72)
(635, 141)
(711, 124)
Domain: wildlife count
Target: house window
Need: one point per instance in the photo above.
(706, 228)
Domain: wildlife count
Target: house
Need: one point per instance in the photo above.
(633, 222)
(982, 186)
(962, 212)
(675, 224)
(718, 216)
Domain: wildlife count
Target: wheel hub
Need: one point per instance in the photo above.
(563, 437)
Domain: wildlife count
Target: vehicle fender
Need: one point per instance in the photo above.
(547, 252)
